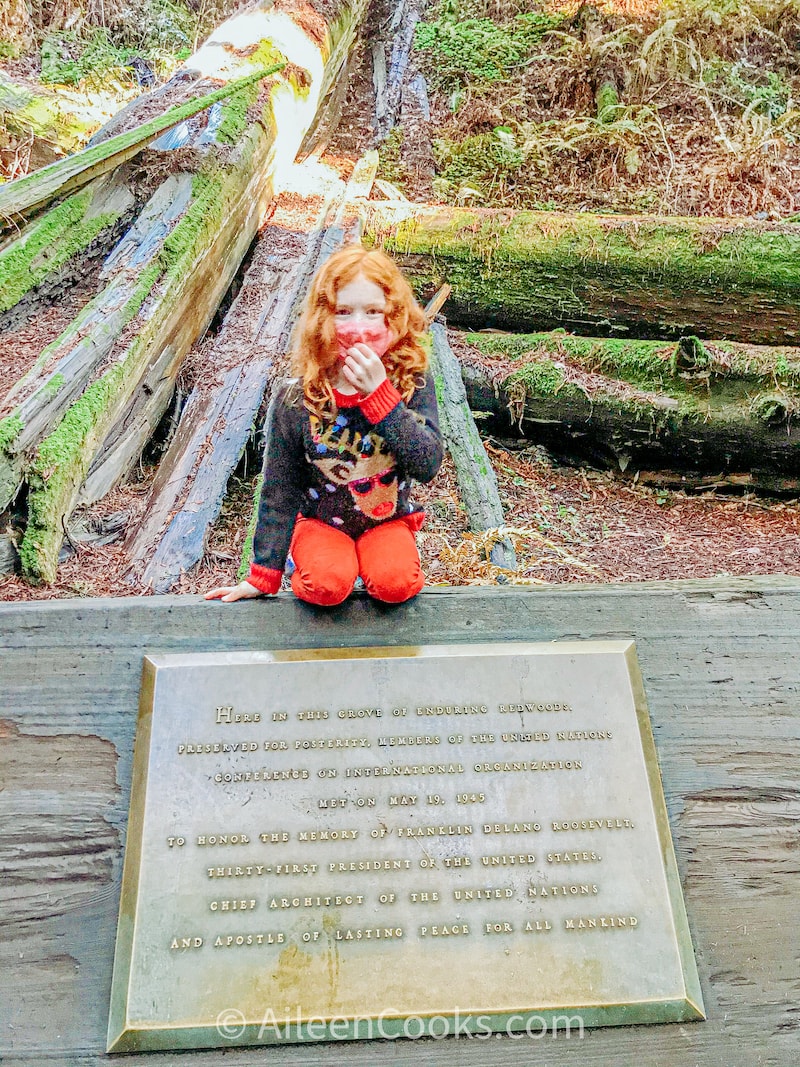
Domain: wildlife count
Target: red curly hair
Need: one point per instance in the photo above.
(314, 348)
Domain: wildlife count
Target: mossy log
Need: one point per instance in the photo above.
(177, 292)
(639, 276)
(61, 247)
(22, 198)
(65, 368)
(476, 478)
(717, 407)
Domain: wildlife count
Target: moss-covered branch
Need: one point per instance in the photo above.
(23, 197)
(606, 275)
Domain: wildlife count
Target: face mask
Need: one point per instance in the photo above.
(376, 335)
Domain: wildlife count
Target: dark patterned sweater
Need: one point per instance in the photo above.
(352, 472)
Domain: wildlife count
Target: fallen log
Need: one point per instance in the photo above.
(221, 411)
(62, 246)
(639, 276)
(22, 198)
(644, 404)
(65, 368)
(182, 285)
(388, 77)
(476, 478)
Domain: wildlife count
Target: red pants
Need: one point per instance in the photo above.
(328, 561)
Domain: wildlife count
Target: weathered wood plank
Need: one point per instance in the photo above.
(721, 668)
(476, 478)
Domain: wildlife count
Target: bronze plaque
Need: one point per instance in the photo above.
(373, 843)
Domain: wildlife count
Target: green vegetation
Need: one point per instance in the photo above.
(51, 242)
(10, 427)
(236, 106)
(685, 107)
(478, 49)
(60, 465)
(160, 33)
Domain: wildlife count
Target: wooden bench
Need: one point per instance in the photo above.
(720, 661)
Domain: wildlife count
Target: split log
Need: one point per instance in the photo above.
(176, 295)
(476, 478)
(64, 369)
(608, 275)
(634, 404)
(388, 77)
(220, 413)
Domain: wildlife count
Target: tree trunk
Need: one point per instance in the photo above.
(608, 275)
(191, 266)
(631, 404)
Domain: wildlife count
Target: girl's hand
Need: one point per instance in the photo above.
(363, 368)
(229, 593)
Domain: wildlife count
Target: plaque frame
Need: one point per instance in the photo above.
(126, 1034)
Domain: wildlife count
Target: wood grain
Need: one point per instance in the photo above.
(720, 665)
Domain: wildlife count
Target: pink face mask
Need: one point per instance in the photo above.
(376, 335)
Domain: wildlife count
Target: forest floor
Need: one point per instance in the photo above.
(541, 145)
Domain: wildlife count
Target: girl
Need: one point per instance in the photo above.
(344, 440)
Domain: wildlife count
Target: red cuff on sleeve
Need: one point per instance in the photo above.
(380, 402)
(264, 579)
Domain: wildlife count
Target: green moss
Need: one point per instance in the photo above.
(247, 547)
(61, 464)
(53, 384)
(464, 50)
(48, 245)
(479, 163)
(390, 166)
(644, 363)
(10, 428)
(542, 378)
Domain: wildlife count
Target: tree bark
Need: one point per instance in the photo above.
(606, 275)
(194, 262)
(631, 405)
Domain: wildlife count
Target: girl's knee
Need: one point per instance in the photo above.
(326, 590)
(394, 586)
